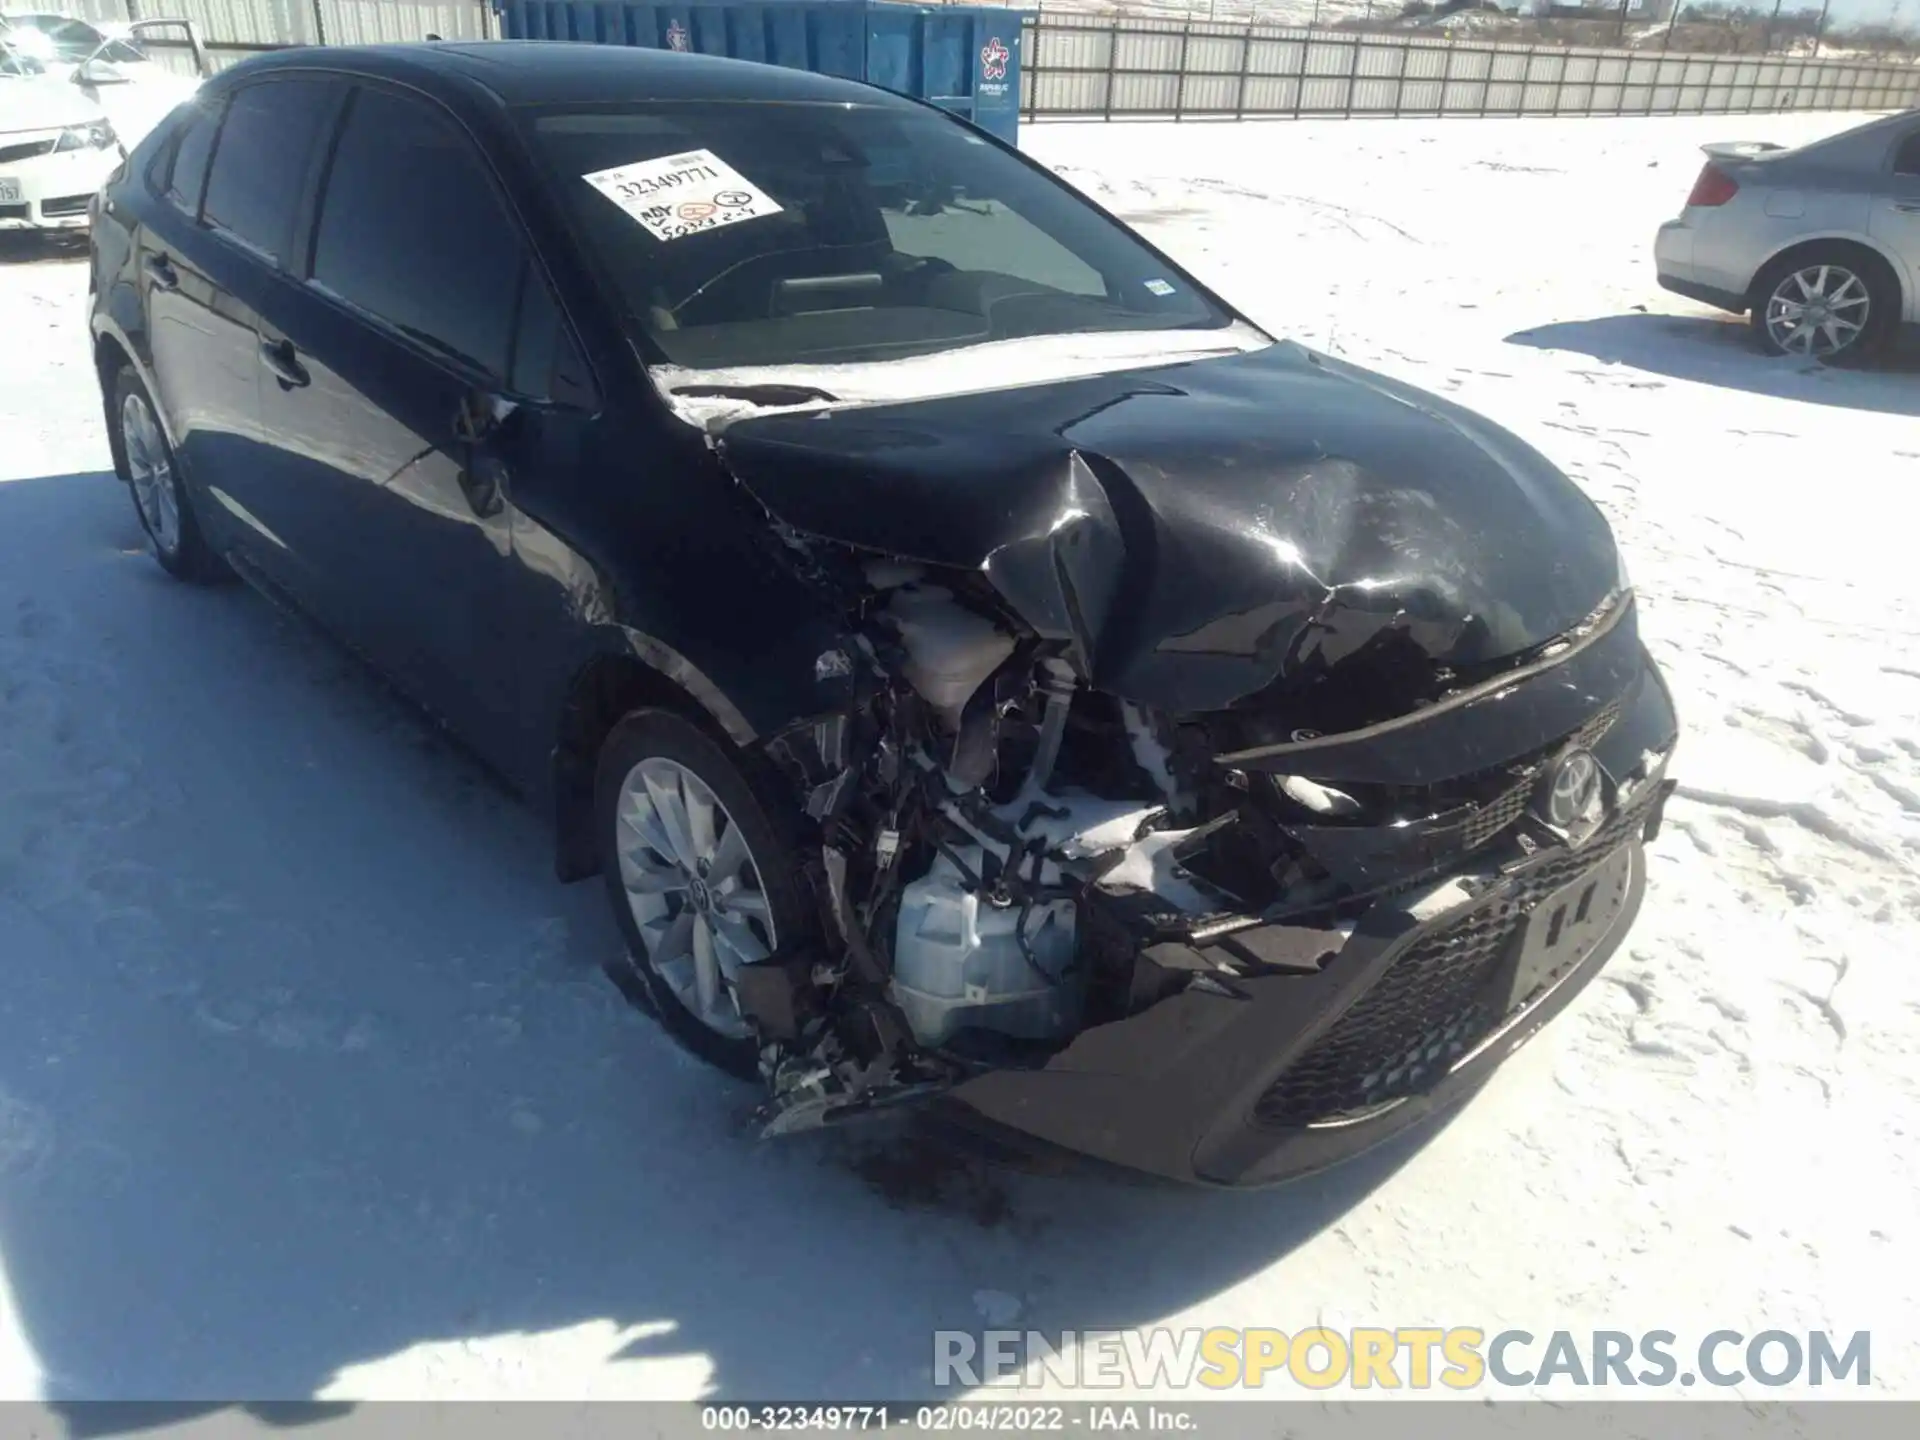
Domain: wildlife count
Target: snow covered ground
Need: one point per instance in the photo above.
(310, 1084)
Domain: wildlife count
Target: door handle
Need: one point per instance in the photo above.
(280, 357)
(161, 272)
(483, 480)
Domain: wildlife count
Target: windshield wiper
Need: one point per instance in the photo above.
(756, 394)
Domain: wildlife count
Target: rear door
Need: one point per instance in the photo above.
(393, 358)
(1896, 213)
(208, 256)
(198, 296)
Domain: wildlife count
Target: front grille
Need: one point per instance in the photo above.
(32, 150)
(1432, 1006)
(13, 212)
(64, 206)
(1497, 814)
(1589, 734)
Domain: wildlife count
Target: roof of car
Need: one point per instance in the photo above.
(543, 72)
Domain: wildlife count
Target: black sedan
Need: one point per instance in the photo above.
(987, 672)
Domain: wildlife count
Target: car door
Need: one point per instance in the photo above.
(1896, 214)
(207, 255)
(389, 378)
(197, 296)
(200, 280)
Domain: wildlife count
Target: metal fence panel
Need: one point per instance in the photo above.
(370, 22)
(1085, 65)
(234, 28)
(1090, 65)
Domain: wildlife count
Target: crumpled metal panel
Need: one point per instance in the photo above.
(1202, 531)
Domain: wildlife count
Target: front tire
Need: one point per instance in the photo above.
(159, 493)
(697, 849)
(1837, 304)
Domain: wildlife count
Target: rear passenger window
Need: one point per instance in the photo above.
(1906, 160)
(260, 163)
(192, 149)
(412, 232)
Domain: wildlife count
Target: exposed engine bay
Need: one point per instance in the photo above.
(1002, 847)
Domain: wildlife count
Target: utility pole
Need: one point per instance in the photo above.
(1821, 28)
(1766, 40)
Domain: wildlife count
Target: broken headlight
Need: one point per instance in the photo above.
(95, 135)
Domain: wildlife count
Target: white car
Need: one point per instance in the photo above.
(73, 99)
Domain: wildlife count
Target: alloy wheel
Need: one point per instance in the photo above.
(694, 887)
(150, 467)
(1821, 311)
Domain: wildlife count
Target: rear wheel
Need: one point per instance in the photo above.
(698, 861)
(159, 495)
(1834, 304)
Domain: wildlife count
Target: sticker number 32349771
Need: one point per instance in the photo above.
(682, 194)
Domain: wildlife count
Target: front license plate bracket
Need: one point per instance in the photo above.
(1564, 928)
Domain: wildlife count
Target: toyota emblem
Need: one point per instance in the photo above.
(1571, 788)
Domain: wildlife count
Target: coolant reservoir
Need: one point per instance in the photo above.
(957, 961)
(950, 650)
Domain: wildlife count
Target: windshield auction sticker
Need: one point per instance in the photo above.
(683, 194)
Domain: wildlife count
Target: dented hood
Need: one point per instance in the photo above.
(1200, 532)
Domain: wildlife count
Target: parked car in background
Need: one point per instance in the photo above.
(73, 98)
(1819, 244)
(985, 670)
(56, 146)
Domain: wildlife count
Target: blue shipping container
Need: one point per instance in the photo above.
(963, 58)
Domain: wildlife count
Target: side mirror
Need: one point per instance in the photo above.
(98, 72)
(484, 472)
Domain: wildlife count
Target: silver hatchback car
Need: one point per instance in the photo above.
(1819, 244)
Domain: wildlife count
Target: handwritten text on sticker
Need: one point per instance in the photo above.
(683, 194)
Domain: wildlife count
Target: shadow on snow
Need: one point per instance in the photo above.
(1719, 351)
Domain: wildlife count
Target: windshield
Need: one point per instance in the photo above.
(742, 233)
(14, 64)
(55, 37)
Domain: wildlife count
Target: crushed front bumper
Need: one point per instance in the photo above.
(1210, 1085)
(1255, 1075)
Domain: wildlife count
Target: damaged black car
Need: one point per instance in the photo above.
(986, 671)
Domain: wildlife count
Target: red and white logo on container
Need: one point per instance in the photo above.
(993, 59)
(676, 36)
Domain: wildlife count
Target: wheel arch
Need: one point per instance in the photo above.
(111, 354)
(630, 671)
(1833, 240)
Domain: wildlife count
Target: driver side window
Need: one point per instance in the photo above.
(412, 233)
